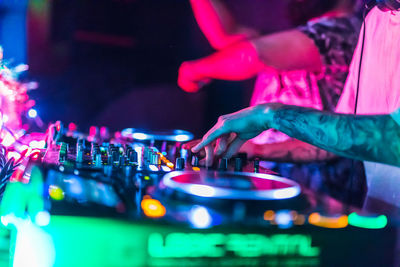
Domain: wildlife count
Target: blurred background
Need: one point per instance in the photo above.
(115, 62)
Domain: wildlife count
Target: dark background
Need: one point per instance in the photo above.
(115, 62)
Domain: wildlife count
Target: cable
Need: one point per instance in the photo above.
(353, 172)
(361, 59)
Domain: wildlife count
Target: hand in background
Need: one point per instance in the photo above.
(189, 79)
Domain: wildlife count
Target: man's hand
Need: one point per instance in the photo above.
(189, 79)
(233, 130)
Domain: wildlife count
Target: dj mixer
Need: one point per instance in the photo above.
(138, 198)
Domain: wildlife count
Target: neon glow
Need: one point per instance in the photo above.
(286, 193)
(37, 144)
(140, 136)
(378, 222)
(202, 190)
(153, 208)
(194, 245)
(56, 192)
(199, 217)
(165, 168)
(13, 154)
(32, 113)
(153, 168)
(170, 165)
(284, 219)
(269, 215)
(182, 138)
(42, 218)
(139, 150)
(8, 140)
(328, 222)
(30, 243)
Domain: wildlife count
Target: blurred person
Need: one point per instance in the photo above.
(371, 91)
(305, 66)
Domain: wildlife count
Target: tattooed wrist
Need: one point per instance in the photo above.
(373, 138)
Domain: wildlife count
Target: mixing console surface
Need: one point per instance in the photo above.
(224, 215)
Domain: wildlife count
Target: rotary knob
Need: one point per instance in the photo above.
(180, 164)
(195, 161)
(256, 165)
(238, 165)
(223, 164)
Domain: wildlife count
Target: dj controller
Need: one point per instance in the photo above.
(138, 198)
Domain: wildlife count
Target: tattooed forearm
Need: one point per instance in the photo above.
(372, 138)
(288, 151)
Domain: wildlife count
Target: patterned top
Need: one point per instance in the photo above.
(336, 39)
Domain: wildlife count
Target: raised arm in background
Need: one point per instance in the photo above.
(288, 50)
(218, 25)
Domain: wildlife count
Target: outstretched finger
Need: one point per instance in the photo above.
(221, 145)
(210, 136)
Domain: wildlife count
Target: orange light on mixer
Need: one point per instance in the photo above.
(170, 165)
(328, 222)
(300, 220)
(269, 215)
(153, 208)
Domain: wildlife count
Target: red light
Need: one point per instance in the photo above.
(72, 127)
(93, 130)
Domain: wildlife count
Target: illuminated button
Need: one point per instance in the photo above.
(283, 219)
(269, 215)
(56, 192)
(200, 217)
(153, 208)
(377, 222)
(299, 219)
(32, 113)
(196, 169)
(202, 190)
(328, 222)
(165, 168)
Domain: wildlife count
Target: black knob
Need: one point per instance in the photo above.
(180, 164)
(133, 157)
(195, 161)
(238, 165)
(122, 161)
(115, 156)
(256, 165)
(223, 164)
(63, 153)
